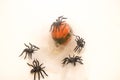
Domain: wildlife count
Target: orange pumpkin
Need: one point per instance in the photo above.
(61, 31)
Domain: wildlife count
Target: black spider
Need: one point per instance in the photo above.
(72, 60)
(80, 44)
(29, 50)
(37, 69)
(57, 23)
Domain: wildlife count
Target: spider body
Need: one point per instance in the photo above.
(72, 60)
(80, 44)
(37, 69)
(29, 50)
(60, 31)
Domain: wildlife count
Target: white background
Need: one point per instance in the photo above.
(24, 21)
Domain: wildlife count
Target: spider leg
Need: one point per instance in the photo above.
(76, 40)
(75, 49)
(84, 42)
(43, 68)
(73, 56)
(34, 63)
(44, 72)
(41, 74)
(22, 53)
(26, 45)
(77, 57)
(64, 26)
(51, 27)
(68, 62)
(63, 18)
(30, 65)
(60, 17)
(31, 46)
(36, 47)
(58, 27)
(81, 59)
(79, 50)
(80, 62)
(25, 55)
(65, 60)
(38, 76)
(35, 76)
(41, 64)
(78, 37)
(37, 62)
(74, 63)
(69, 56)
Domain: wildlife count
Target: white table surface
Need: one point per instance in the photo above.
(24, 21)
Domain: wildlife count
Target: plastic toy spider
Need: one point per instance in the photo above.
(80, 44)
(58, 23)
(61, 31)
(29, 50)
(72, 60)
(37, 69)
